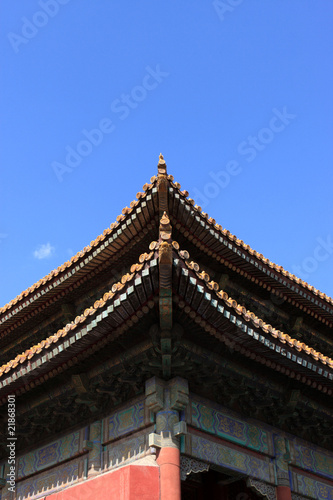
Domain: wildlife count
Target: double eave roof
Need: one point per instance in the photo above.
(194, 224)
(195, 294)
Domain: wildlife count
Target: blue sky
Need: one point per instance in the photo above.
(236, 94)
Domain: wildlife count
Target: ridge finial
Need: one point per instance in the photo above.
(161, 166)
(161, 161)
(165, 228)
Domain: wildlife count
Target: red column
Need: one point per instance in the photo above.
(283, 493)
(169, 462)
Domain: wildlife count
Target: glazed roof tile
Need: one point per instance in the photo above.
(85, 251)
(90, 311)
(202, 276)
(128, 210)
(248, 315)
(240, 243)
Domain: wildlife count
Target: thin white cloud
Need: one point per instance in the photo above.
(44, 251)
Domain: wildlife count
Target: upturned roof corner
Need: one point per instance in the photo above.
(161, 195)
(166, 293)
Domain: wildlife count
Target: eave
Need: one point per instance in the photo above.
(111, 246)
(194, 292)
(242, 330)
(104, 321)
(195, 226)
(47, 373)
(218, 243)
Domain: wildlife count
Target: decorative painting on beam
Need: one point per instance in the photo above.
(310, 459)
(125, 421)
(310, 487)
(126, 450)
(50, 455)
(47, 482)
(231, 458)
(223, 423)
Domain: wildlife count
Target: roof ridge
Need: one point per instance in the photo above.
(127, 210)
(81, 253)
(247, 314)
(62, 332)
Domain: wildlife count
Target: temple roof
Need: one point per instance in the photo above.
(165, 291)
(114, 237)
(118, 308)
(84, 257)
(140, 276)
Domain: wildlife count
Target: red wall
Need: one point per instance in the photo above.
(131, 482)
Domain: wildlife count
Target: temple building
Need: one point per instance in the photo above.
(167, 360)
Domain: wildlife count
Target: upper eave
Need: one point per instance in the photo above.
(197, 226)
(115, 241)
(226, 248)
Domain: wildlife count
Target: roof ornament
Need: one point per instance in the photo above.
(165, 228)
(165, 280)
(161, 166)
